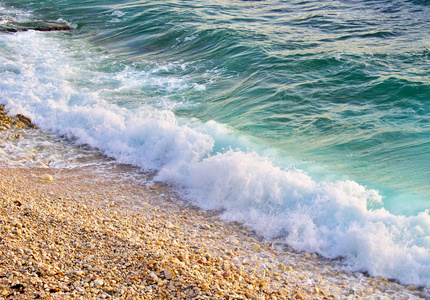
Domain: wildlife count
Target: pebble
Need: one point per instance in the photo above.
(255, 246)
(168, 273)
(98, 283)
(282, 267)
(46, 178)
(169, 225)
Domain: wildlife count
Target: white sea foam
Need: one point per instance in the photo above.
(209, 163)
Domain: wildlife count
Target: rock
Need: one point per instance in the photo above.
(168, 273)
(17, 224)
(256, 247)
(282, 267)
(234, 241)
(18, 286)
(79, 273)
(205, 226)
(37, 25)
(318, 291)
(46, 177)
(154, 277)
(16, 136)
(23, 119)
(20, 125)
(53, 27)
(98, 282)
(41, 165)
(299, 297)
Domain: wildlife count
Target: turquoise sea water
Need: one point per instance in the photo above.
(308, 120)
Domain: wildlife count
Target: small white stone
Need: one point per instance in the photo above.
(79, 273)
(154, 276)
(98, 282)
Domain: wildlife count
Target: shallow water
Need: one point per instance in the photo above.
(308, 121)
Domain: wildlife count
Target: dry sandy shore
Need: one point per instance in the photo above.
(81, 234)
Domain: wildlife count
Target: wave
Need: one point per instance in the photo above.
(95, 100)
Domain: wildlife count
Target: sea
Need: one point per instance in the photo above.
(307, 121)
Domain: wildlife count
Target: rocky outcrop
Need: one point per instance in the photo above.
(38, 26)
(18, 121)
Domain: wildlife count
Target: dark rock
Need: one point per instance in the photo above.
(23, 119)
(36, 25)
(54, 28)
(54, 290)
(18, 286)
(19, 121)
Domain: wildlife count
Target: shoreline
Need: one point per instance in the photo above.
(86, 236)
(77, 233)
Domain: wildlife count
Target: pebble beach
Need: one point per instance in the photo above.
(80, 234)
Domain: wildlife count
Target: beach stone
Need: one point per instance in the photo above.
(17, 224)
(361, 294)
(282, 267)
(168, 273)
(205, 226)
(42, 165)
(318, 291)
(23, 119)
(16, 136)
(98, 282)
(20, 125)
(234, 241)
(154, 277)
(256, 247)
(46, 177)
(79, 273)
